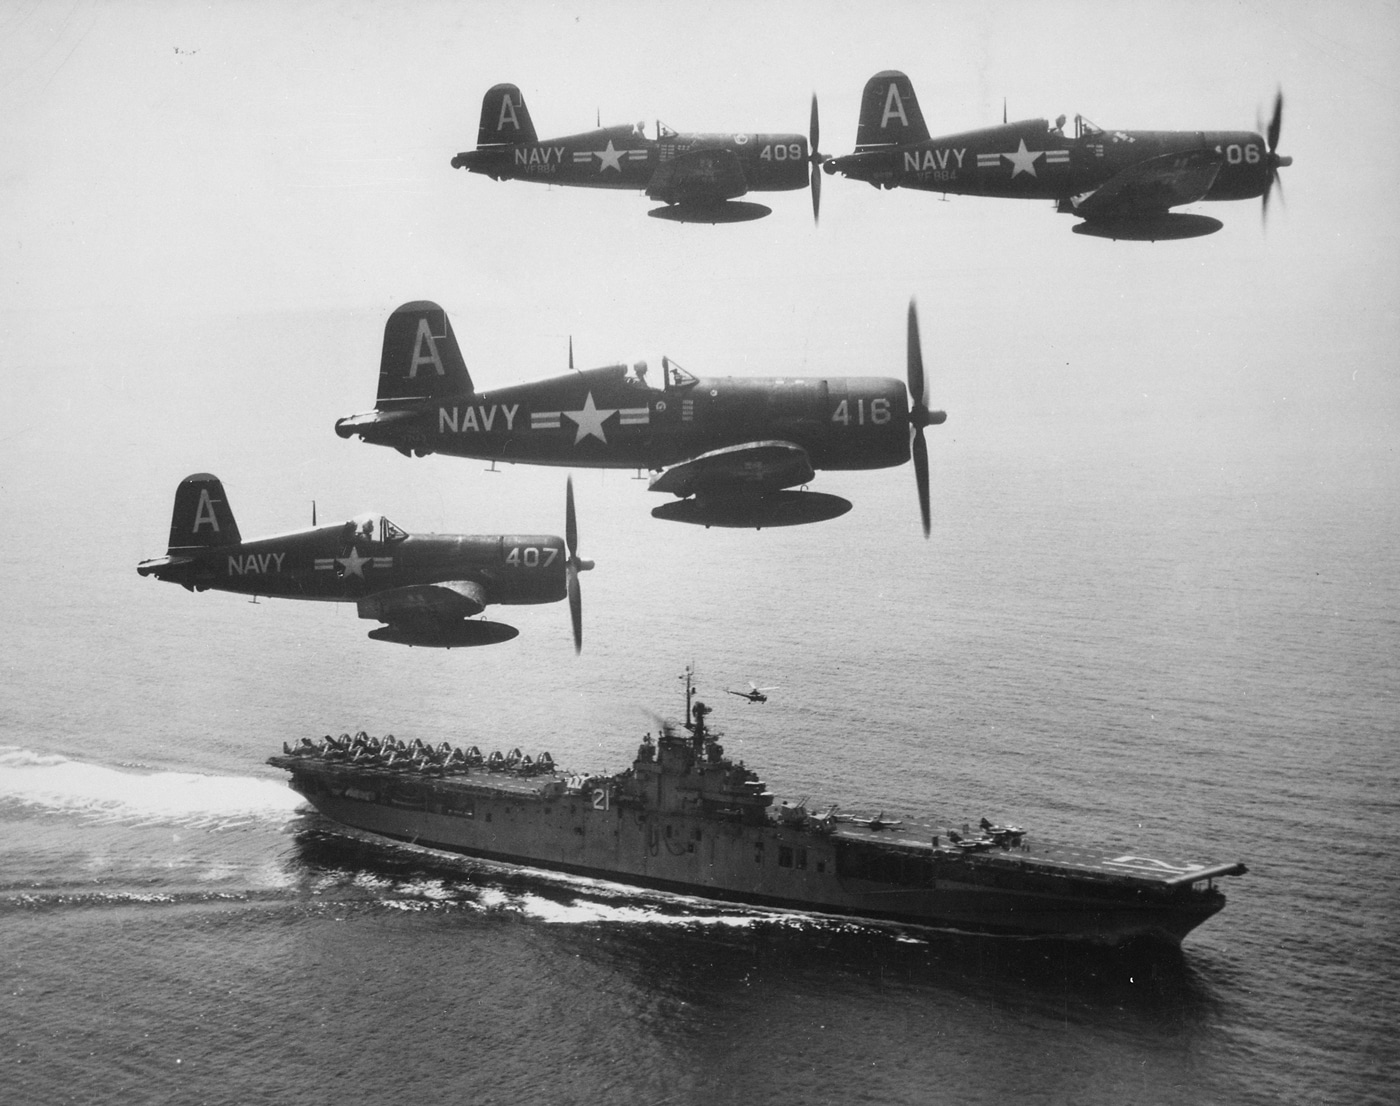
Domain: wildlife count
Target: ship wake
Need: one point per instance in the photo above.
(58, 784)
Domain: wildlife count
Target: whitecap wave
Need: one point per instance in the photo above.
(59, 783)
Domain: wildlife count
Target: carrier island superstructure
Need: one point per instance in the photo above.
(686, 818)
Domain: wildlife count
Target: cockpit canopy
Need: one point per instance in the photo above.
(375, 528)
(1083, 128)
(639, 374)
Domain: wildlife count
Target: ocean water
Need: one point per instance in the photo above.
(1205, 666)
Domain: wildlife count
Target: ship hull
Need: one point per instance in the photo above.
(889, 875)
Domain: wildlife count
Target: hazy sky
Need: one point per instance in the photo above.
(207, 212)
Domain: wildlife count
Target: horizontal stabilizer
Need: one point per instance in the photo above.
(159, 566)
(356, 424)
(751, 468)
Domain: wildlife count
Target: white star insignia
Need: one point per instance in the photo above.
(590, 420)
(609, 158)
(1023, 160)
(354, 564)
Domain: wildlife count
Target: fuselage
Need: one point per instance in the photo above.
(345, 563)
(624, 157)
(1034, 161)
(608, 418)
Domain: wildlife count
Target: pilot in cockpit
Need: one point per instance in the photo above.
(1059, 129)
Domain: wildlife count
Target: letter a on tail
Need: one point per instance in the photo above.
(889, 113)
(420, 359)
(202, 517)
(504, 117)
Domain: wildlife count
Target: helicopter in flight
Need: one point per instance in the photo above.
(426, 588)
(755, 694)
(1122, 184)
(697, 177)
(729, 448)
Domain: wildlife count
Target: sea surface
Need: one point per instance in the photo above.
(1204, 666)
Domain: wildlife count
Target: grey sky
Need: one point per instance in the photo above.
(207, 212)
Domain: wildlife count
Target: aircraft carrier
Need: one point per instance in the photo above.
(687, 819)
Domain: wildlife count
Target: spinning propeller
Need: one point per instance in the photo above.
(816, 159)
(919, 414)
(576, 565)
(1275, 160)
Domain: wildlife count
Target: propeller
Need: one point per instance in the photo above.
(576, 564)
(919, 414)
(1274, 160)
(816, 159)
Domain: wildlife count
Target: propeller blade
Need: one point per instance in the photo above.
(920, 416)
(575, 608)
(570, 521)
(1274, 160)
(576, 564)
(918, 398)
(815, 130)
(816, 192)
(919, 449)
(814, 134)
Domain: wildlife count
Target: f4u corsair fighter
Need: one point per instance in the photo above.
(1121, 183)
(697, 176)
(729, 447)
(426, 587)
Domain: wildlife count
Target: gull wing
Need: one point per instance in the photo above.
(445, 601)
(1151, 186)
(698, 176)
(750, 468)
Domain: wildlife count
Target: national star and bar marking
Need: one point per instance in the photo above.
(589, 419)
(611, 158)
(1022, 160)
(322, 563)
(354, 564)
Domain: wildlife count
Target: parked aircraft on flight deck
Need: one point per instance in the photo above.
(697, 176)
(1121, 183)
(729, 447)
(427, 588)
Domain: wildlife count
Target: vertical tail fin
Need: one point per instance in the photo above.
(504, 117)
(889, 113)
(420, 359)
(202, 517)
